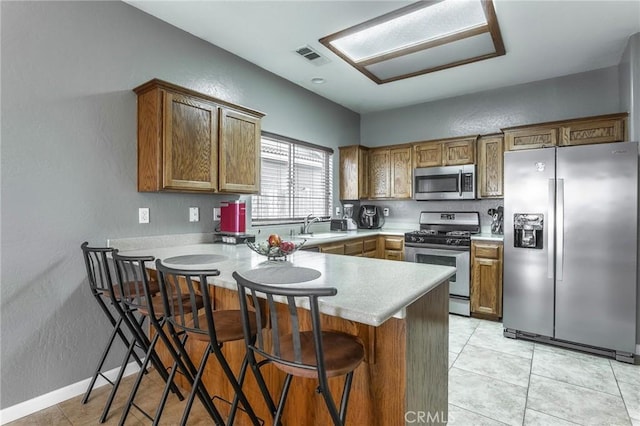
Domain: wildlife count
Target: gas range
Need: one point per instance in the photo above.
(444, 238)
(446, 229)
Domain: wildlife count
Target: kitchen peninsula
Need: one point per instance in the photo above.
(398, 309)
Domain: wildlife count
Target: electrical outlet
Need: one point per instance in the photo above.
(194, 214)
(216, 213)
(143, 215)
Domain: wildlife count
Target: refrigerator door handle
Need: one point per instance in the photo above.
(550, 221)
(560, 229)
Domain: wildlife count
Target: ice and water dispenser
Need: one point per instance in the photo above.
(527, 230)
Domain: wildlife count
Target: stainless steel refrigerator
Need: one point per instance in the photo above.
(571, 246)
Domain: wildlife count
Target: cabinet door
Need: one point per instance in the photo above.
(353, 248)
(401, 172)
(353, 175)
(428, 154)
(379, 181)
(594, 131)
(190, 129)
(239, 152)
(530, 137)
(363, 172)
(490, 166)
(459, 152)
(486, 279)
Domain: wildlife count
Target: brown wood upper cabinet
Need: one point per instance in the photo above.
(354, 172)
(390, 172)
(589, 130)
(191, 142)
(445, 152)
(490, 166)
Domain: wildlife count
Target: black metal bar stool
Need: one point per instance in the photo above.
(101, 283)
(313, 354)
(139, 303)
(212, 327)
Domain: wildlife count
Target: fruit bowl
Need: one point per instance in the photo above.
(275, 252)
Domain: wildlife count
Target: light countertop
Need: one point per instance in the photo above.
(488, 236)
(370, 291)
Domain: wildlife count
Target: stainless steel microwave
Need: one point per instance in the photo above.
(445, 183)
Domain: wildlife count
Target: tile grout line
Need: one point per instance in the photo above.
(620, 390)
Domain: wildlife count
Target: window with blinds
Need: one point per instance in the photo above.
(296, 180)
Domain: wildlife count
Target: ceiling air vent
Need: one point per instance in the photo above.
(312, 55)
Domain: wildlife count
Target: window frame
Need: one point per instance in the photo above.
(294, 216)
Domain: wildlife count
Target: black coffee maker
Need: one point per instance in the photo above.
(370, 217)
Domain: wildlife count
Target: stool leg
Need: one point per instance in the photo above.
(283, 399)
(345, 396)
(331, 405)
(188, 375)
(255, 367)
(236, 387)
(136, 385)
(196, 386)
(243, 371)
(116, 383)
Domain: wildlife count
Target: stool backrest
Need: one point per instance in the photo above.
(181, 289)
(98, 269)
(133, 281)
(281, 310)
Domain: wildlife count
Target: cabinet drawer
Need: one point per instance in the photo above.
(372, 254)
(391, 243)
(352, 248)
(332, 249)
(393, 255)
(487, 251)
(370, 245)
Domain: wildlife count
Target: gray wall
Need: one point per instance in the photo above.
(69, 164)
(578, 95)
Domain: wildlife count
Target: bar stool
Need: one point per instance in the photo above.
(101, 283)
(213, 327)
(137, 304)
(313, 354)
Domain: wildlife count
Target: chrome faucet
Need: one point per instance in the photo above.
(307, 223)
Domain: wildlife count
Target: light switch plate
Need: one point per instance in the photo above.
(216, 213)
(194, 214)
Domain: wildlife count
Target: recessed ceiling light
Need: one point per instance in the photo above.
(318, 80)
(423, 37)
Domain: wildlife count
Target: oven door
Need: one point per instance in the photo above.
(459, 283)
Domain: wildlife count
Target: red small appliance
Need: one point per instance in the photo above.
(233, 217)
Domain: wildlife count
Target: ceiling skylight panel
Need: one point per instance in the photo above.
(422, 37)
(408, 30)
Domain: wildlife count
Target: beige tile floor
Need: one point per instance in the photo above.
(496, 381)
(492, 381)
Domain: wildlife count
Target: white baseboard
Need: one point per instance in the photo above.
(54, 397)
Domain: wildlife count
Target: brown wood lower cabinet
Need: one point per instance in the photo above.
(486, 279)
(389, 247)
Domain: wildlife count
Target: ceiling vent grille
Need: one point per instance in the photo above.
(312, 55)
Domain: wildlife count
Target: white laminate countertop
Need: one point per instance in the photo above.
(370, 291)
(488, 236)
